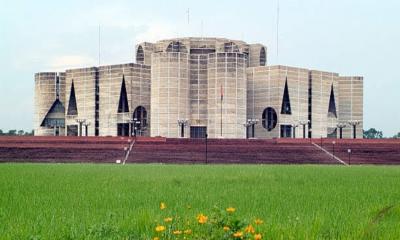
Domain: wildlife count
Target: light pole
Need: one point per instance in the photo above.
(354, 123)
(136, 126)
(131, 123)
(86, 124)
(182, 123)
(251, 122)
(247, 125)
(341, 126)
(304, 122)
(294, 125)
(80, 121)
(349, 152)
(206, 149)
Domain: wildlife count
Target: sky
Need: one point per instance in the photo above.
(357, 37)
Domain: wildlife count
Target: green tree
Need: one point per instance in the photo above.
(1, 132)
(372, 133)
(29, 133)
(21, 132)
(397, 135)
(12, 133)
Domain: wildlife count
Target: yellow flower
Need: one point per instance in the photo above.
(258, 221)
(160, 228)
(156, 238)
(168, 219)
(163, 206)
(187, 231)
(257, 236)
(249, 229)
(230, 209)
(177, 232)
(226, 228)
(202, 218)
(238, 234)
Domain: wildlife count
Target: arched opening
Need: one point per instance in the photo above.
(231, 47)
(140, 120)
(140, 55)
(176, 46)
(269, 118)
(263, 57)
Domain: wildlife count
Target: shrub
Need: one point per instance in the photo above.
(218, 224)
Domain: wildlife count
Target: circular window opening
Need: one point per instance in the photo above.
(269, 118)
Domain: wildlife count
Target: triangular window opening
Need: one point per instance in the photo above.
(286, 109)
(123, 98)
(332, 105)
(55, 116)
(72, 109)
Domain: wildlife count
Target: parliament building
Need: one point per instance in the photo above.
(193, 87)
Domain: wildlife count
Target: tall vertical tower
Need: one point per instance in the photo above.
(49, 104)
(351, 105)
(226, 95)
(169, 89)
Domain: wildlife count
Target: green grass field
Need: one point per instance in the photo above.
(87, 201)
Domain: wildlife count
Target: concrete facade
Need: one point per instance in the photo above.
(48, 102)
(351, 105)
(265, 89)
(169, 92)
(136, 79)
(323, 123)
(190, 87)
(226, 95)
(106, 98)
(80, 100)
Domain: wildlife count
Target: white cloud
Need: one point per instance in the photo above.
(72, 61)
(155, 31)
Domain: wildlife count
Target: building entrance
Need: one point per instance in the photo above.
(198, 132)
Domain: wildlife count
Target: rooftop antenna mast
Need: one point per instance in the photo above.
(188, 20)
(202, 29)
(277, 32)
(99, 44)
(188, 15)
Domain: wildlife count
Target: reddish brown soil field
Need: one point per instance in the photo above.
(153, 150)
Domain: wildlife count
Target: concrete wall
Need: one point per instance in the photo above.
(137, 83)
(265, 88)
(198, 89)
(169, 93)
(84, 80)
(227, 71)
(321, 89)
(143, 53)
(181, 79)
(351, 104)
(46, 88)
(255, 55)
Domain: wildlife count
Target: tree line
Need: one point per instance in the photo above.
(14, 132)
(372, 133)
